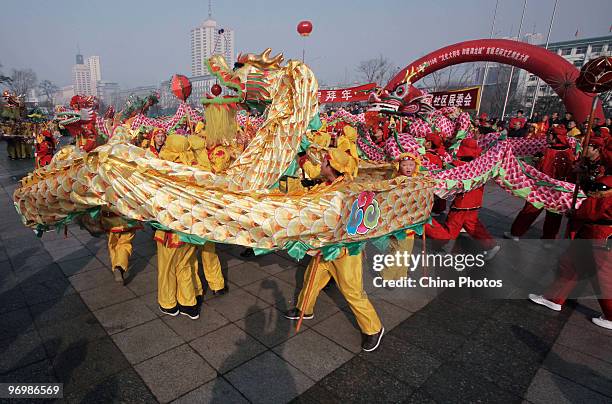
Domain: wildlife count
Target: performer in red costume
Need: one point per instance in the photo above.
(45, 147)
(434, 151)
(519, 118)
(464, 210)
(592, 221)
(557, 163)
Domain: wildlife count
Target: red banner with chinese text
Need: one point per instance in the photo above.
(351, 94)
(465, 98)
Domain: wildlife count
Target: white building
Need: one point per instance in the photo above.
(577, 52)
(95, 74)
(81, 79)
(63, 96)
(109, 93)
(85, 75)
(209, 39)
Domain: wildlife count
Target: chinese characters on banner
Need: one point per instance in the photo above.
(352, 94)
(481, 50)
(465, 98)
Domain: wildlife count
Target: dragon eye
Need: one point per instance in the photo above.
(400, 90)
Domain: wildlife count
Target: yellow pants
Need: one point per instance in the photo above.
(405, 245)
(11, 148)
(176, 275)
(347, 273)
(120, 249)
(24, 150)
(212, 268)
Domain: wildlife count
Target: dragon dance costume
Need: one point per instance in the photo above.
(346, 269)
(557, 163)
(464, 209)
(593, 225)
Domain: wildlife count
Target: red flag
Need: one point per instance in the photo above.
(576, 34)
(610, 30)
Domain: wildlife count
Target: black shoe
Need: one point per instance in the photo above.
(190, 311)
(248, 253)
(199, 300)
(294, 314)
(219, 292)
(171, 312)
(371, 342)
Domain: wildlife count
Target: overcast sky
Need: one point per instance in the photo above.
(145, 42)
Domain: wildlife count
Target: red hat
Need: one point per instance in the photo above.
(435, 139)
(561, 135)
(469, 148)
(597, 142)
(559, 130)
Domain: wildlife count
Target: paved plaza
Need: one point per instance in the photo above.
(64, 319)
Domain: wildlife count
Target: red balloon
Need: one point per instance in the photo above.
(304, 28)
(181, 87)
(215, 89)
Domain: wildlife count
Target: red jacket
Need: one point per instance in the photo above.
(468, 200)
(44, 152)
(521, 120)
(594, 218)
(557, 162)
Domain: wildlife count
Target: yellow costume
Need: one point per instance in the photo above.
(347, 272)
(11, 142)
(348, 140)
(212, 268)
(406, 244)
(210, 260)
(177, 262)
(177, 271)
(575, 132)
(120, 237)
(346, 269)
(120, 249)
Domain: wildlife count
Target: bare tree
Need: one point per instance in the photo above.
(22, 81)
(375, 70)
(48, 89)
(452, 77)
(3, 78)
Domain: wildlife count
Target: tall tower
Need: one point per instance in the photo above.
(209, 39)
(81, 79)
(95, 74)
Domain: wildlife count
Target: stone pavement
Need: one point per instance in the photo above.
(62, 318)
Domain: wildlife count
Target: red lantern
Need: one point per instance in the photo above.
(181, 87)
(304, 28)
(215, 90)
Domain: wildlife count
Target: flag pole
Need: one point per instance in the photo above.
(486, 69)
(512, 70)
(535, 95)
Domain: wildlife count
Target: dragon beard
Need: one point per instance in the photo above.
(221, 127)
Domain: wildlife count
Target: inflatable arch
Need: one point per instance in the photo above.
(557, 72)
